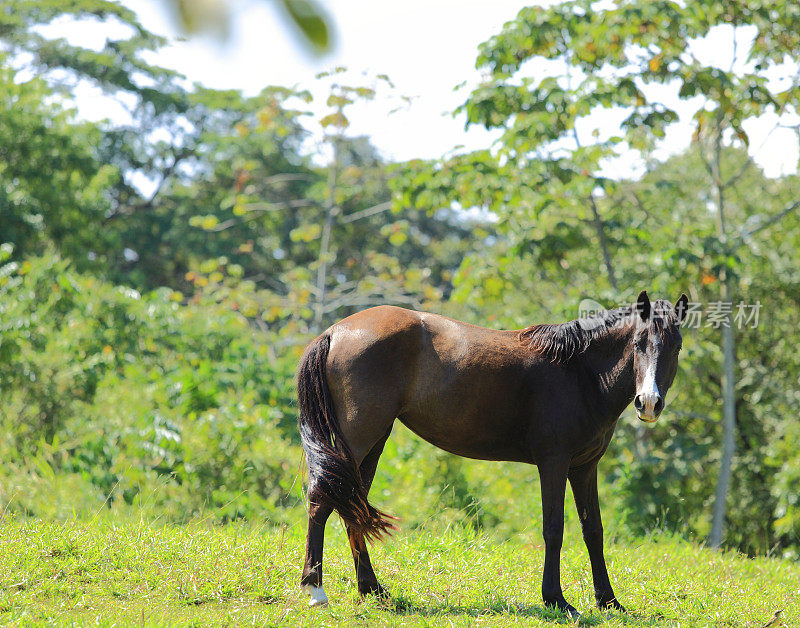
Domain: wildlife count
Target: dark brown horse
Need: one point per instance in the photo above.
(549, 395)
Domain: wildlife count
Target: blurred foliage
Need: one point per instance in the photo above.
(128, 392)
(215, 16)
(162, 271)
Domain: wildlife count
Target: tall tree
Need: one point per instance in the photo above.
(118, 153)
(663, 214)
(51, 180)
(549, 76)
(337, 242)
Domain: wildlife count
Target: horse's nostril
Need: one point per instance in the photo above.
(659, 406)
(637, 403)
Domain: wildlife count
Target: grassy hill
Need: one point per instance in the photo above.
(108, 572)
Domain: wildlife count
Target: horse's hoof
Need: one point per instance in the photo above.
(375, 589)
(318, 596)
(564, 607)
(571, 612)
(611, 605)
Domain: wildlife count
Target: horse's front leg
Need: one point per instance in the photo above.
(553, 476)
(584, 488)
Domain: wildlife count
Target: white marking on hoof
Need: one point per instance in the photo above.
(318, 597)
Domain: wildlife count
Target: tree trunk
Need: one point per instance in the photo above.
(600, 228)
(728, 425)
(728, 363)
(325, 242)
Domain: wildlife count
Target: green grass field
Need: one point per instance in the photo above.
(122, 573)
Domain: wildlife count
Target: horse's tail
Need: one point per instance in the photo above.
(333, 473)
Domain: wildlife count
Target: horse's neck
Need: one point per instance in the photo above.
(611, 359)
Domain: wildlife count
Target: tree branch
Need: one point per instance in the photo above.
(768, 223)
(598, 222)
(365, 213)
(266, 206)
(735, 177)
(365, 301)
(166, 175)
(287, 176)
(601, 236)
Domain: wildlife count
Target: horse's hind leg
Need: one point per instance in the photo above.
(311, 581)
(365, 575)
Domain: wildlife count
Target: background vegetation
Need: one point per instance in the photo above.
(160, 275)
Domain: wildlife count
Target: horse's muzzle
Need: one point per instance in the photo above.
(647, 418)
(648, 407)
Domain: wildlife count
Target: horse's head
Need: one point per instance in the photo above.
(656, 344)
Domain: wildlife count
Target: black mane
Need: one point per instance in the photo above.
(561, 342)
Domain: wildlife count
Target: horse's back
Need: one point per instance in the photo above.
(441, 346)
(457, 385)
(379, 333)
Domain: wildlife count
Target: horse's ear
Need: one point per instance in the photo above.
(682, 307)
(643, 305)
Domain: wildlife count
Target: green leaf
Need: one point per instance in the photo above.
(309, 19)
(305, 233)
(209, 222)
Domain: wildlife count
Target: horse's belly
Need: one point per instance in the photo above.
(480, 437)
